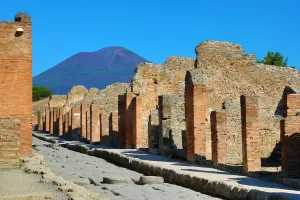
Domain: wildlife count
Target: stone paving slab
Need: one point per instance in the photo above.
(206, 180)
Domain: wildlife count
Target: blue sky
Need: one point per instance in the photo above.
(157, 29)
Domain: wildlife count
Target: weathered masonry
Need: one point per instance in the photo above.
(15, 89)
(245, 122)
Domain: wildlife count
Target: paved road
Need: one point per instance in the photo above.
(86, 169)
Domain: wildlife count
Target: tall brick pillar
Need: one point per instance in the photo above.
(83, 120)
(55, 128)
(40, 120)
(88, 124)
(128, 119)
(10, 143)
(113, 128)
(95, 124)
(195, 114)
(47, 119)
(16, 76)
(250, 133)
(51, 117)
(104, 128)
(76, 129)
(70, 125)
(137, 122)
(219, 137)
(121, 120)
(60, 122)
(66, 124)
(290, 157)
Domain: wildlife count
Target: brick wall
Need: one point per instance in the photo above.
(83, 119)
(75, 124)
(113, 128)
(195, 114)
(250, 133)
(16, 77)
(137, 128)
(9, 143)
(128, 119)
(94, 124)
(291, 140)
(219, 137)
(104, 128)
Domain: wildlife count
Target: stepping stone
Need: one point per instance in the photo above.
(151, 180)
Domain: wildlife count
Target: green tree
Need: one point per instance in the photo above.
(39, 93)
(274, 58)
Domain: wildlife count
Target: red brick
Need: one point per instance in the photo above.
(113, 128)
(195, 112)
(128, 119)
(47, 119)
(121, 119)
(75, 124)
(51, 118)
(250, 133)
(104, 128)
(219, 137)
(16, 78)
(137, 122)
(83, 120)
(60, 122)
(94, 124)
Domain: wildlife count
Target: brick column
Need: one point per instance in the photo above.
(47, 119)
(95, 125)
(66, 124)
(40, 121)
(218, 137)
(104, 128)
(195, 114)
(51, 117)
(113, 128)
(70, 125)
(88, 124)
(137, 121)
(250, 133)
(121, 120)
(55, 128)
(290, 156)
(128, 119)
(76, 130)
(83, 120)
(10, 143)
(60, 122)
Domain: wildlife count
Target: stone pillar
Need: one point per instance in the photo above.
(153, 136)
(55, 128)
(70, 125)
(137, 121)
(10, 143)
(83, 120)
(66, 124)
(95, 125)
(60, 122)
(121, 120)
(47, 119)
(128, 119)
(250, 133)
(76, 129)
(195, 114)
(219, 137)
(113, 128)
(104, 128)
(290, 156)
(51, 117)
(88, 124)
(40, 120)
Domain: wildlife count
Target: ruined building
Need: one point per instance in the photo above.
(16, 90)
(221, 108)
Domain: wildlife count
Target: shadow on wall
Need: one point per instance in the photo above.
(274, 160)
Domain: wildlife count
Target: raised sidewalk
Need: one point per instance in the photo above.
(206, 180)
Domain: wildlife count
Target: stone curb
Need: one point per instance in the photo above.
(36, 165)
(221, 189)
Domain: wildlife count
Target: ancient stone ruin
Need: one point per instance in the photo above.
(221, 109)
(16, 90)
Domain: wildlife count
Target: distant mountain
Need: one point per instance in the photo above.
(91, 69)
